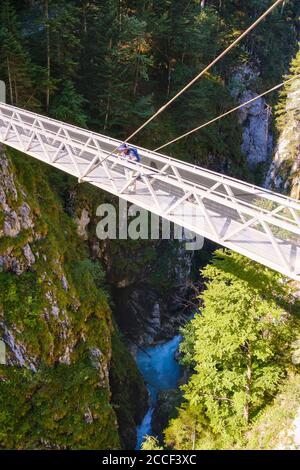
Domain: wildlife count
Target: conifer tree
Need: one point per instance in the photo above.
(125, 73)
(151, 443)
(238, 346)
(15, 64)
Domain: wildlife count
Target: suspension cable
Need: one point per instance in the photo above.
(206, 69)
(196, 78)
(226, 113)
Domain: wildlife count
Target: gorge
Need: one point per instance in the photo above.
(101, 348)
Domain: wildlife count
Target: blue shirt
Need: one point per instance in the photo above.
(134, 153)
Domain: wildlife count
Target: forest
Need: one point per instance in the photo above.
(109, 64)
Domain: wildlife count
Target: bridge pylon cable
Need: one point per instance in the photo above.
(195, 79)
(221, 116)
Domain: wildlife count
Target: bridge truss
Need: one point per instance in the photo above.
(260, 224)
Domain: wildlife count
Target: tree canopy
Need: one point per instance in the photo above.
(109, 65)
(238, 346)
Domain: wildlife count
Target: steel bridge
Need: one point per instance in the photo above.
(260, 224)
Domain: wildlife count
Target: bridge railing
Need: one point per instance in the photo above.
(92, 142)
(251, 207)
(277, 209)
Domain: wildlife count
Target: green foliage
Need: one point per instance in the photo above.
(17, 242)
(91, 270)
(273, 428)
(239, 349)
(89, 276)
(109, 65)
(64, 24)
(23, 313)
(67, 106)
(189, 430)
(50, 409)
(151, 443)
(275, 33)
(126, 67)
(48, 320)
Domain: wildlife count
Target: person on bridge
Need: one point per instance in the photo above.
(132, 154)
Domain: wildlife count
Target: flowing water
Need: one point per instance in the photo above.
(161, 372)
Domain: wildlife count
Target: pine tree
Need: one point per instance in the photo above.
(53, 38)
(68, 106)
(151, 443)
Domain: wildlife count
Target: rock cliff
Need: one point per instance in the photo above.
(66, 367)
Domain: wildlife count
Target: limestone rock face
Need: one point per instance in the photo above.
(82, 224)
(57, 335)
(25, 216)
(147, 309)
(255, 118)
(11, 226)
(8, 187)
(99, 362)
